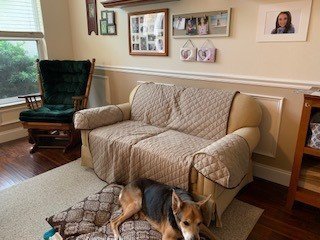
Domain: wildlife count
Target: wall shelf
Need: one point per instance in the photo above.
(128, 3)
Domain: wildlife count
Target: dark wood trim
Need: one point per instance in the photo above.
(92, 22)
(123, 3)
(166, 32)
(295, 192)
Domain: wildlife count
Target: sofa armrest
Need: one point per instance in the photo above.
(224, 161)
(251, 135)
(92, 118)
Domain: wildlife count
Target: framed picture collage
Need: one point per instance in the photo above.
(148, 32)
(107, 23)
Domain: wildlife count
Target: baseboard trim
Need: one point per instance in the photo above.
(215, 77)
(272, 174)
(13, 134)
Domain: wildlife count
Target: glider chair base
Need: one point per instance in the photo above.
(52, 135)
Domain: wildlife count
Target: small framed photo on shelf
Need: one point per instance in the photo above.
(148, 33)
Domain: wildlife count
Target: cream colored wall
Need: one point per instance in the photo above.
(238, 54)
(57, 28)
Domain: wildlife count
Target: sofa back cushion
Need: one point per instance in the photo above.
(199, 112)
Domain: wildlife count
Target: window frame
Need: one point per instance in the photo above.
(28, 36)
(37, 36)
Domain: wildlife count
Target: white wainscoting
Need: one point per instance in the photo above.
(100, 91)
(270, 124)
(13, 134)
(10, 115)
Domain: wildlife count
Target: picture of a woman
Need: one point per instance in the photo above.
(203, 26)
(284, 24)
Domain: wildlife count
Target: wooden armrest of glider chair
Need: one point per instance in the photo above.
(32, 101)
(78, 102)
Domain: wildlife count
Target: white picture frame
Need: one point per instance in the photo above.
(269, 14)
(214, 29)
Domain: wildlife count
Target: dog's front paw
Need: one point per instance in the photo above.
(118, 238)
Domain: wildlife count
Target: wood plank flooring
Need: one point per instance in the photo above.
(303, 222)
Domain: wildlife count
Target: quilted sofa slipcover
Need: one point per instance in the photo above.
(178, 126)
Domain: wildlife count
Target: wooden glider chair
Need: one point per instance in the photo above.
(64, 89)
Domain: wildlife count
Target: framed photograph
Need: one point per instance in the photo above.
(92, 16)
(191, 26)
(111, 17)
(112, 30)
(148, 33)
(107, 23)
(103, 27)
(202, 24)
(282, 22)
(104, 15)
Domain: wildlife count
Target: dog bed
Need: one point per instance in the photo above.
(90, 219)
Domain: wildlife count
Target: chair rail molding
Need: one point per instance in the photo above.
(216, 77)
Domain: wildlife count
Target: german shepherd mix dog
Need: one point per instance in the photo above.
(171, 211)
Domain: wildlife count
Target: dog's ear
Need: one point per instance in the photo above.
(176, 203)
(204, 201)
(206, 210)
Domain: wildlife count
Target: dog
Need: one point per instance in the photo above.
(171, 211)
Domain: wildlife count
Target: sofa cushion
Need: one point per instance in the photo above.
(199, 112)
(49, 113)
(111, 145)
(166, 157)
(153, 103)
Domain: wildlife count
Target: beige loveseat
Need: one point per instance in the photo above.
(112, 138)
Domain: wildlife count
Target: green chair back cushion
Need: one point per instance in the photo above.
(61, 80)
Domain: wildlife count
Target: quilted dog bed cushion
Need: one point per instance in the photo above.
(90, 219)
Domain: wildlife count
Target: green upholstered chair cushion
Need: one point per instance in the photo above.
(61, 80)
(49, 113)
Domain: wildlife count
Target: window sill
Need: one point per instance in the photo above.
(12, 104)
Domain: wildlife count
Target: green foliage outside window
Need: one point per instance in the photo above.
(18, 74)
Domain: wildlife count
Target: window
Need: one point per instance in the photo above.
(21, 43)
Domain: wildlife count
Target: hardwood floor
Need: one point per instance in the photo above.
(303, 222)
(17, 164)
